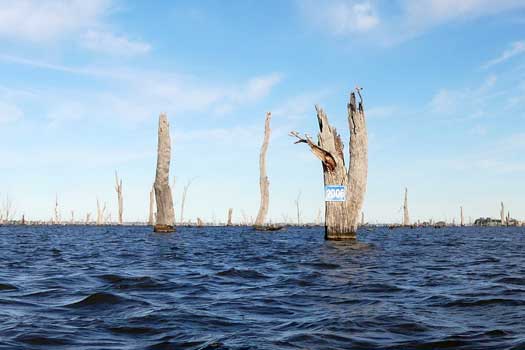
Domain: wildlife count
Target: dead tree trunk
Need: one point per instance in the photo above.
(502, 214)
(230, 212)
(461, 217)
(362, 219)
(57, 215)
(100, 213)
(183, 202)
(264, 184)
(118, 188)
(298, 208)
(406, 218)
(342, 217)
(88, 218)
(151, 218)
(165, 214)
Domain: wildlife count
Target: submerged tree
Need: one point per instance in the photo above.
(298, 208)
(165, 213)
(264, 184)
(406, 217)
(502, 214)
(461, 216)
(56, 217)
(100, 213)
(342, 218)
(118, 189)
(230, 213)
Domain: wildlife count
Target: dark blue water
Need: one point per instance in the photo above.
(232, 288)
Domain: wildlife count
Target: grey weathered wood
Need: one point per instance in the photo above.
(151, 213)
(120, 200)
(502, 214)
(406, 217)
(230, 213)
(342, 218)
(462, 219)
(264, 184)
(165, 213)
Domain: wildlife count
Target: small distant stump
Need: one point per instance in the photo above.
(164, 228)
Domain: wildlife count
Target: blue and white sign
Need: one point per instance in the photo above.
(335, 193)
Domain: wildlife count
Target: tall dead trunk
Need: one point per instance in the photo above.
(56, 219)
(100, 213)
(230, 212)
(502, 214)
(151, 217)
(88, 218)
(118, 189)
(461, 217)
(298, 209)
(183, 201)
(264, 184)
(342, 217)
(406, 218)
(165, 213)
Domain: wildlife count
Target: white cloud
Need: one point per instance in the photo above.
(516, 48)
(342, 17)
(44, 20)
(408, 19)
(9, 112)
(109, 43)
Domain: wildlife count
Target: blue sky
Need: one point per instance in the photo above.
(83, 82)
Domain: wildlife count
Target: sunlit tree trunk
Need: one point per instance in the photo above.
(406, 217)
(230, 213)
(118, 189)
(264, 184)
(342, 218)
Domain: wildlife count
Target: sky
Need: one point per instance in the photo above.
(82, 84)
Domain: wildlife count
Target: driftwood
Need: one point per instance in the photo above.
(230, 213)
(264, 184)
(406, 218)
(118, 189)
(342, 218)
(165, 214)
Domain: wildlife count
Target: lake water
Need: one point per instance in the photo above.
(233, 288)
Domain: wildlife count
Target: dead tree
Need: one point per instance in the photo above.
(406, 218)
(165, 214)
(88, 218)
(502, 214)
(362, 219)
(342, 218)
(100, 213)
(297, 208)
(183, 202)
(72, 217)
(230, 212)
(151, 218)
(462, 223)
(56, 218)
(118, 189)
(264, 184)
(200, 223)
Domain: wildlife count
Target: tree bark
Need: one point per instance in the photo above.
(230, 212)
(165, 214)
(264, 184)
(118, 188)
(406, 218)
(342, 218)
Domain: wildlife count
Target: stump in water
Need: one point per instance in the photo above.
(406, 218)
(118, 189)
(165, 214)
(342, 217)
(264, 184)
(230, 212)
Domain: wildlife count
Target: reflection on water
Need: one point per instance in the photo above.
(233, 288)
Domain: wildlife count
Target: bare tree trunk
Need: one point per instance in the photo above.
(88, 218)
(118, 188)
(406, 218)
(57, 215)
(184, 193)
(151, 218)
(502, 214)
(264, 184)
(72, 217)
(100, 213)
(298, 209)
(200, 223)
(462, 217)
(362, 219)
(342, 218)
(165, 214)
(230, 212)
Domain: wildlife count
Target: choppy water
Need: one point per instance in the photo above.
(218, 288)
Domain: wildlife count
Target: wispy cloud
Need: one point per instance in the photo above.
(43, 20)
(355, 18)
(111, 44)
(9, 112)
(515, 49)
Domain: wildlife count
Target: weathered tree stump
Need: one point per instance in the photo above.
(165, 214)
(342, 218)
(264, 184)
